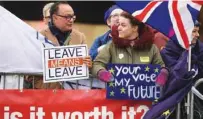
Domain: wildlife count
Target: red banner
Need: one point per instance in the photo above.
(67, 104)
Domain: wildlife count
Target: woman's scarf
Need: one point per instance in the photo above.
(144, 41)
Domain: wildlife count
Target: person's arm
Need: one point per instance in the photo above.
(93, 50)
(164, 71)
(83, 37)
(156, 56)
(102, 59)
(171, 53)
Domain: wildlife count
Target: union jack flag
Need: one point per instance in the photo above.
(173, 18)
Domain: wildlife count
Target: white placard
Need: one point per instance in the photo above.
(65, 63)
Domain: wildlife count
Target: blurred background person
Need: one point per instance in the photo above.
(111, 17)
(46, 12)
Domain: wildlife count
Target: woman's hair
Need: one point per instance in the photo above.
(134, 22)
(197, 23)
(145, 37)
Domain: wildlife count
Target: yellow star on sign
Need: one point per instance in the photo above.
(166, 113)
(111, 93)
(156, 70)
(147, 68)
(111, 84)
(156, 100)
(122, 90)
(111, 71)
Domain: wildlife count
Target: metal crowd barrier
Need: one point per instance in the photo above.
(90, 83)
(18, 81)
(190, 101)
(198, 94)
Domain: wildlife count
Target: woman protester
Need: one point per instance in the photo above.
(132, 44)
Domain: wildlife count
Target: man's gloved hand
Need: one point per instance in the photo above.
(105, 76)
(189, 75)
(162, 77)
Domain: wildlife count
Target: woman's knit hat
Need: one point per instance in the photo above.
(109, 11)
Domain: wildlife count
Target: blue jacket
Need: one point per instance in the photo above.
(99, 41)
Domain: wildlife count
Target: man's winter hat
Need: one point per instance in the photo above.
(109, 11)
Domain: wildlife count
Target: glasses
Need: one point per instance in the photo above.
(68, 17)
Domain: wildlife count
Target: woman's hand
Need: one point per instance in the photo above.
(162, 77)
(105, 76)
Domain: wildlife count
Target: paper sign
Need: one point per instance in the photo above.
(65, 63)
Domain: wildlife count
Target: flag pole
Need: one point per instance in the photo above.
(187, 104)
(189, 68)
(189, 56)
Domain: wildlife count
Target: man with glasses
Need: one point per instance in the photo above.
(111, 18)
(60, 31)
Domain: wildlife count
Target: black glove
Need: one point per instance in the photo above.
(189, 75)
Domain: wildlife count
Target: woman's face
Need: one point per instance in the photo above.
(125, 29)
(195, 34)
